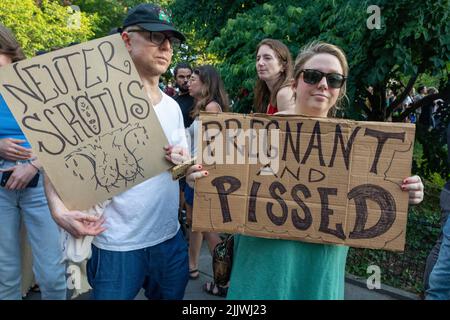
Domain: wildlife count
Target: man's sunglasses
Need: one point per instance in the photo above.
(158, 38)
(312, 76)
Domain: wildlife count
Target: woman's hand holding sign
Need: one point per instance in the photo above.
(195, 172)
(415, 188)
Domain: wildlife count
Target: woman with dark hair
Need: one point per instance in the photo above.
(22, 197)
(287, 269)
(273, 90)
(207, 89)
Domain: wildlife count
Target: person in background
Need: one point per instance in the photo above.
(182, 73)
(437, 270)
(170, 90)
(207, 89)
(273, 90)
(22, 197)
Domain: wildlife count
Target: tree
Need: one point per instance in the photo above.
(412, 40)
(45, 25)
(208, 17)
(111, 13)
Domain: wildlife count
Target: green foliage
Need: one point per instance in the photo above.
(413, 40)
(46, 26)
(206, 18)
(201, 21)
(111, 13)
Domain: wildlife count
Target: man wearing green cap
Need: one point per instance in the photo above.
(139, 244)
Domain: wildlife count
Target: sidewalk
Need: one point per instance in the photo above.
(355, 289)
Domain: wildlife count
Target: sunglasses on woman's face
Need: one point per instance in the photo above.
(312, 76)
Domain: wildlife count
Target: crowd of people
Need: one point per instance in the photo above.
(139, 241)
(426, 115)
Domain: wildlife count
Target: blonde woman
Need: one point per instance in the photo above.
(285, 269)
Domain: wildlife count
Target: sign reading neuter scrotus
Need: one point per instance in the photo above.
(88, 119)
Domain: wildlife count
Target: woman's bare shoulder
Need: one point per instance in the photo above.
(285, 99)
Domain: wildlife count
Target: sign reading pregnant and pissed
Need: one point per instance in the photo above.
(316, 180)
(88, 119)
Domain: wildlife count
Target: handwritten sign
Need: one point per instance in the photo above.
(316, 180)
(88, 119)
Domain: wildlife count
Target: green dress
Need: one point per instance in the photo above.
(286, 270)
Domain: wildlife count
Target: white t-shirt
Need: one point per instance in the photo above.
(147, 214)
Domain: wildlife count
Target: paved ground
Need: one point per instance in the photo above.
(354, 288)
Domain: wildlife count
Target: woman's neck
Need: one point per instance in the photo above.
(271, 83)
(309, 113)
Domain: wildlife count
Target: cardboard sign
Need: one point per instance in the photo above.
(328, 181)
(88, 119)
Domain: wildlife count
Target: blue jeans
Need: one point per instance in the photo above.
(439, 283)
(189, 195)
(162, 270)
(31, 205)
(434, 253)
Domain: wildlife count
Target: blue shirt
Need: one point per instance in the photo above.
(9, 128)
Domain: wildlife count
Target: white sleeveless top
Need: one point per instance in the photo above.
(192, 134)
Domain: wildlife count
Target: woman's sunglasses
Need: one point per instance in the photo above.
(312, 76)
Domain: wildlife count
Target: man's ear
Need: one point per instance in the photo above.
(127, 40)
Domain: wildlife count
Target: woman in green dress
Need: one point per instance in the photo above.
(286, 269)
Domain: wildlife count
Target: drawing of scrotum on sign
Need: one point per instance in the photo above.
(88, 119)
(330, 180)
(117, 162)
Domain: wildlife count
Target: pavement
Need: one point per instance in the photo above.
(355, 288)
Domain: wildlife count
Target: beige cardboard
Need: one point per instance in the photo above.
(324, 188)
(88, 119)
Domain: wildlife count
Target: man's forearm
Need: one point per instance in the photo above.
(54, 201)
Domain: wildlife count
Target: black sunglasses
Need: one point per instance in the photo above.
(158, 38)
(313, 76)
